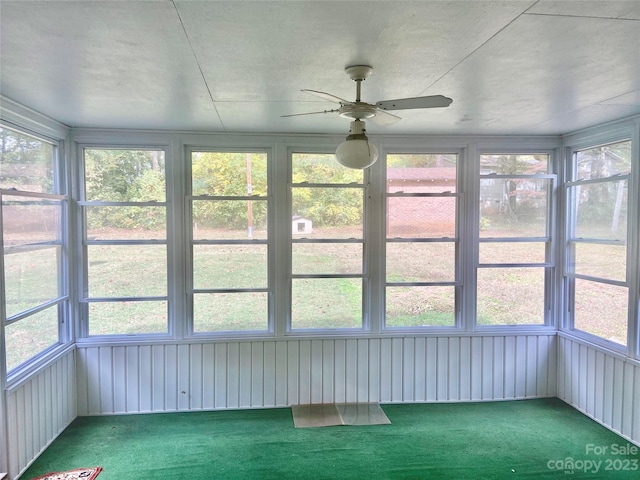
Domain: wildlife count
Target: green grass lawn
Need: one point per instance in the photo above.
(510, 296)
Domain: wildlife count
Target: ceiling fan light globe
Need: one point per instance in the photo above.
(356, 153)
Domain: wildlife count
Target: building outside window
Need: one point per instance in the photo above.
(422, 240)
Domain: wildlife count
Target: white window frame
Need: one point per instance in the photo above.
(63, 302)
(82, 243)
(242, 147)
(458, 239)
(365, 275)
(550, 239)
(593, 138)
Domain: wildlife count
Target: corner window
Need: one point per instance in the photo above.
(422, 203)
(124, 241)
(229, 234)
(327, 244)
(33, 219)
(596, 265)
(514, 232)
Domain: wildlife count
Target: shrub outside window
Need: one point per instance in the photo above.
(596, 266)
(514, 231)
(34, 212)
(229, 204)
(124, 241)
(327, 244)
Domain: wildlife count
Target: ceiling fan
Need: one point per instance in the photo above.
(356, 151)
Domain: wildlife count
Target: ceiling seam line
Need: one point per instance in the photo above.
(592, 17)
(184, 29)
(477, 48)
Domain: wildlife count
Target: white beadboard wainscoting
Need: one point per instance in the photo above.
(275, 373)
(38, 410)
(604, 386)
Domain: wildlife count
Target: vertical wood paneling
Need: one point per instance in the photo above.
(144, 387)
(38, 410)
(408, 370)
(603, 386)
(465, 368)
(420, 388)
(431, 371)
(385, 370)
(208, 376)
(286, 372)
(362, 371)
(374, 370)
(351, 371)
(233, 375)
(441, 368)
(269, 375)
(453, 369)
(317, 371)
(221, 368)
(486, 389)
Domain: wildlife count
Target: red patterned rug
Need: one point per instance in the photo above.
(77, 474)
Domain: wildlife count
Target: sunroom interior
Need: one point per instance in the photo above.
(174, 241)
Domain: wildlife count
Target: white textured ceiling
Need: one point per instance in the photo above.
(511, 67)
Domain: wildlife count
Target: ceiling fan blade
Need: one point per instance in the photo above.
(384, 118)
(308, 113)
(433, 101)
(327, 96)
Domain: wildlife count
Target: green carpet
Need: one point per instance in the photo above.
(499, 440)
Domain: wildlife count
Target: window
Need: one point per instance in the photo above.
(422, 277)
(124, 243)
(34, 212)
(327, 244)
(514, 231)
(597, 194)
(228, 200)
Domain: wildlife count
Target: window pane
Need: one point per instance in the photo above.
(601, 310)
(510, 296)
(311, 258)
(601, 210)
(513, 207)
(27, 220)
(30, 336)
(127, 270)
(229, 219)
(228, 173)
(127, 318)
(230, 266)
(31, 277)
(512, 252)
(603, 161)
(331, 212)
(421, 173)
(604, 261)
(421, 262)
(126, 223)
(420, 307)
(124, 175)
(26, 163)
(501, 164)
(421, 217)
(326, 303)
(322, 168)
(226, 312)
